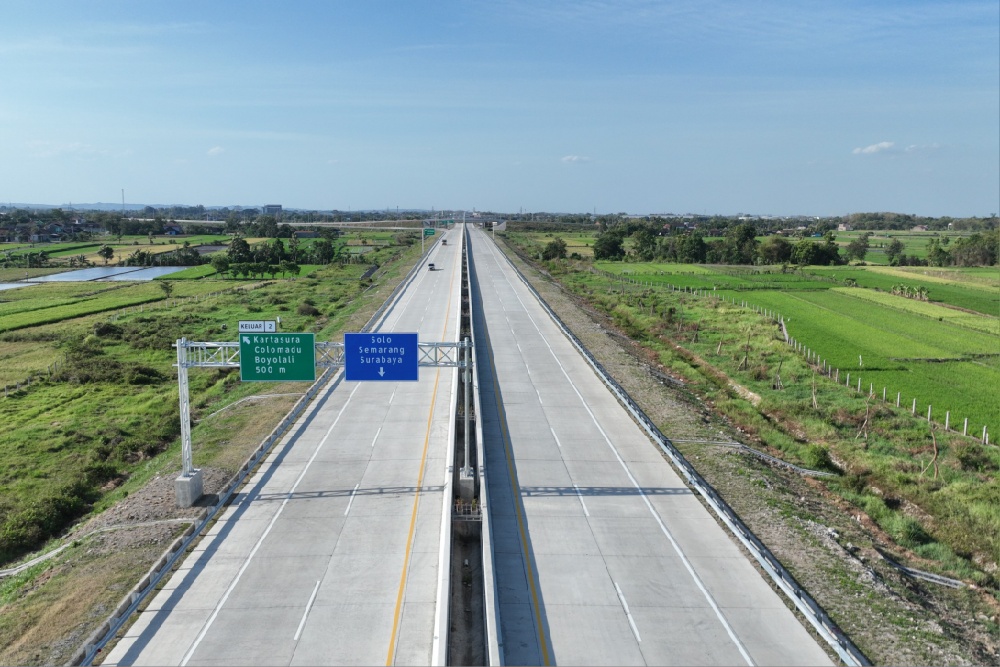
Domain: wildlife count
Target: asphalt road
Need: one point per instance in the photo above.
(332, 553)
(602, 554)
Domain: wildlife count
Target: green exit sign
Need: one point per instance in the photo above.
(428, 231)
(278, 357)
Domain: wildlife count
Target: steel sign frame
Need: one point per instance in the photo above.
(226, 354)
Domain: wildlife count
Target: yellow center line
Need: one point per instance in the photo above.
(390, 658)
(518, 508)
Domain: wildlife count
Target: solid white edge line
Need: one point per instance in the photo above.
(305, 614)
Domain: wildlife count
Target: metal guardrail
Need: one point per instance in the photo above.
(817, 617)
(776, 461)
(920, 574)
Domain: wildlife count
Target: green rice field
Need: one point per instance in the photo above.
(943, 353)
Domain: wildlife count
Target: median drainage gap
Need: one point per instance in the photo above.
(467, 622)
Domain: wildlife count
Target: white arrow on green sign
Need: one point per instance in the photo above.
(278, 357)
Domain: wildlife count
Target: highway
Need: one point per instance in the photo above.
(602, 554)
(337, 550)
(332, 553)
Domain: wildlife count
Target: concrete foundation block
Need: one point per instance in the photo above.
(467, 485)
(188, 489)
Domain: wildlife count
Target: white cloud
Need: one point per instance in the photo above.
(923, 148)
(874, 148)
(216, 150)
(572, 159)
(46, 149)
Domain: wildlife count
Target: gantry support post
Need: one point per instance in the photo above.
(189, 486)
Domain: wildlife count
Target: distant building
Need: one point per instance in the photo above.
(844, 227)
(272, 209)
(173, 230)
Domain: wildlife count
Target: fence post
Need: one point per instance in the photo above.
(859, 385)
(898, 393)
(984, 435)
(883, 394)
(965, 427)
(947, 419)
(928, 413)
(914, 407)
(848, 381)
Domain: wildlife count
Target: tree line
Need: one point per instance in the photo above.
(741, 244)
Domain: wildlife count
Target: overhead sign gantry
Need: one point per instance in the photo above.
(294, 357)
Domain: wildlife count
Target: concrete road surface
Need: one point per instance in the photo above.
(332, 553)
(603, 555)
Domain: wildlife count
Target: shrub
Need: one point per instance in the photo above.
(817, 457)
(107, 330)
(307, 309)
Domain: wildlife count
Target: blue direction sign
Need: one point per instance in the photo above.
(391, 357)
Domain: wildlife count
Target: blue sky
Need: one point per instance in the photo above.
(704, 106)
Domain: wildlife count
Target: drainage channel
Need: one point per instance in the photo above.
(467, 642)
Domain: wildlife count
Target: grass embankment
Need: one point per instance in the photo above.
(935, 494)
(111, 404)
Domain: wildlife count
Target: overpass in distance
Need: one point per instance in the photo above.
(594, 551)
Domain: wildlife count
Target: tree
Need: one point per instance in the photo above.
(644, 244)
(894, 250)
(936, 255)
(554, 249)
(807, 252)
(106, 253)
(980, 249)
(239, 251)
(167, 286)
(858, 248)
(287, 267)
(692, 249)
(741, 244)
(220, 263)
(775, 250)
(324, 251)
(610, 245)
(266, 225)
